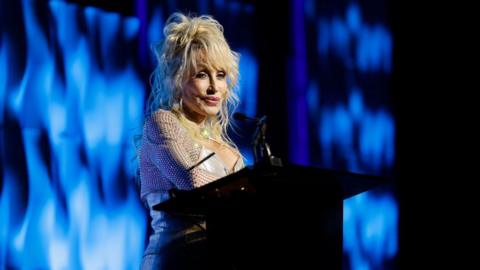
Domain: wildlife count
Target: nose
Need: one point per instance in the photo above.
(211, 90)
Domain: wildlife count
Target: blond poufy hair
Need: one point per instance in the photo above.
(186, 40)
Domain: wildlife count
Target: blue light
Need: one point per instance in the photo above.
(377, 140)
(219, 3)
(323, 37)
(234, 6)
(248, 155)
(248, 83)
(341, 128)
(309, 8)
(297, 117)
(355, 104)
(340, 38)
(155, 33)
(313, 99)
(353, 135)
(370, 230)
(354, 18)
(4, 72)
(203, 6)
(356, 44)
(367, 218)
(76, 113)
(374, 51)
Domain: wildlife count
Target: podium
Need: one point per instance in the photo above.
(267, 217)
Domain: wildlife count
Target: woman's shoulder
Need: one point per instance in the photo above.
(163, 115)
(163, 118)
(164, 121)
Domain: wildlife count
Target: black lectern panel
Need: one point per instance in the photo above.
(274, 217)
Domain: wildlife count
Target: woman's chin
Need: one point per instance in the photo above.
(211, 111)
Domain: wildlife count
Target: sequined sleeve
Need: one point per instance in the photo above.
(171, 150)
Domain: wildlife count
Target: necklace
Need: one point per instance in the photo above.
(205, 133)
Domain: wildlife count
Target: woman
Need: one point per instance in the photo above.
(186, 122)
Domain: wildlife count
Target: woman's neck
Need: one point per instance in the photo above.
(194, 117)
(200, 124)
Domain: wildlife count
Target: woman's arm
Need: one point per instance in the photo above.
(173, 152)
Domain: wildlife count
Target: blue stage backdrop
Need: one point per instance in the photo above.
(342, 114)
(74, 77)
(71, 98)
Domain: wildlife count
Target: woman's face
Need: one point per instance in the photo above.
(204, 93)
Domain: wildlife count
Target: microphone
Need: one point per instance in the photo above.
(261, 149)
(259, 121)
(243, 117)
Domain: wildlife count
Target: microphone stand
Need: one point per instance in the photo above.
(261, 149)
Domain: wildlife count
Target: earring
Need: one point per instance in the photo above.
(180, 104)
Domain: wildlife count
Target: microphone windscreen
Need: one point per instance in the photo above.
(240, 116)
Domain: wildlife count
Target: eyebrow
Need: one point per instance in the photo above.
(201, 66)
(205, 68)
